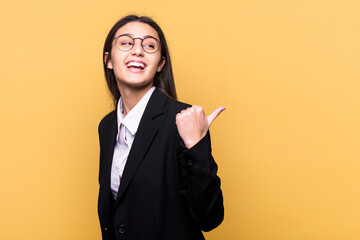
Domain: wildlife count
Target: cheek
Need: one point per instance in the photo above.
(117, 59)
(156, 61)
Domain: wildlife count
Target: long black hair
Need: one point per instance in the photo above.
(163, 80)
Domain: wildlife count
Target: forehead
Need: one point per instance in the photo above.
(137, 29)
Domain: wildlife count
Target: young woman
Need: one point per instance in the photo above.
(158, 179)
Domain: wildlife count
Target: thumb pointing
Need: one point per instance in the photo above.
(214, 115)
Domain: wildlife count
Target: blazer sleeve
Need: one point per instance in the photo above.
(201, 185)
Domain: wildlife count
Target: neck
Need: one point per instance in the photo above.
(130, 97)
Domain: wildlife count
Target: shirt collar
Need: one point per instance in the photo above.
(132, 119)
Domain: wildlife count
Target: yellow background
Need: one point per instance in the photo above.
(287, 146)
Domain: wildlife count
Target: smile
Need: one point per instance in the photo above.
(136, 65)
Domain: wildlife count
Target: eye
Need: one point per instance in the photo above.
(149, 46)
(124, 43)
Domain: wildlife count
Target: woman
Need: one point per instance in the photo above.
(161, 184)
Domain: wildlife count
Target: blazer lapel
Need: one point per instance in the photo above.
(111, 132)
(145, 135)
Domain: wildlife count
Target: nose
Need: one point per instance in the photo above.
(137, 48)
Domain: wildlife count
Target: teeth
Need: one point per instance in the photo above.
(135, 64)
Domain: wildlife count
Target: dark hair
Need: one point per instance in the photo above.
(163, 80)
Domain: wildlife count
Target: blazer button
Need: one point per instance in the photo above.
(122, 229)
(190, 163)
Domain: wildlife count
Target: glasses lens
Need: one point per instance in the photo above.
(124, 43)
(150, 44)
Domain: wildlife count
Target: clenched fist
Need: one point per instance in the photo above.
(192, 124)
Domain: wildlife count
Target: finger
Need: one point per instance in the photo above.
(214, 115)
(198, 109)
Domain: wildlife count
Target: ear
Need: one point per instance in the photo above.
(161, 64)
(109, 64)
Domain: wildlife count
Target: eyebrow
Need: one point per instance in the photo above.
(132, 35)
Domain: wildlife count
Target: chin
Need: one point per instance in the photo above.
(137, 84)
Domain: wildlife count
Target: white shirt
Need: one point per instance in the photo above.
(127, 128)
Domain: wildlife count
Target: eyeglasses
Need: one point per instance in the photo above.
(125, 43)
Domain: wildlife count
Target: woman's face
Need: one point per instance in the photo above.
(135, 68)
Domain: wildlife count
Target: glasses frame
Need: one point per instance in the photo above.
(142, 40)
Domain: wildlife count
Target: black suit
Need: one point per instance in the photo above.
(167, 191)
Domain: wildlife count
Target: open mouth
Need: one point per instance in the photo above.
(136, 65)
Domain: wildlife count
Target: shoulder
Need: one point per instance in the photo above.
(175, 106)
(105, 121)
(161, 103)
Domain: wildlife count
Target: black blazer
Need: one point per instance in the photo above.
(167, 191)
